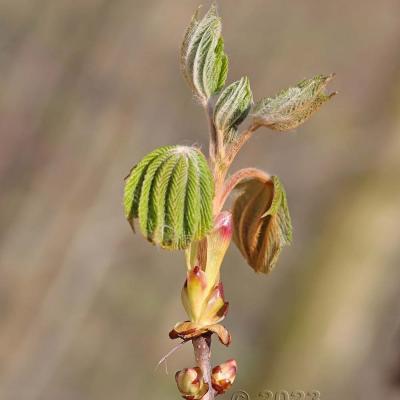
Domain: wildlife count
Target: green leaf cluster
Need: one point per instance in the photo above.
(262, 224)
(203, 60)
(293, 106)
(170, 192)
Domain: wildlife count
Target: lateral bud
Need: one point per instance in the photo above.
(223, 376)
(191, 383)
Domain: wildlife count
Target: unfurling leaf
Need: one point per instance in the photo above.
(170, 192)
(203, 306)
(194, 293)
(261, 222)
(203, 60)
(202, 294)
(293, 106)
(232, 107)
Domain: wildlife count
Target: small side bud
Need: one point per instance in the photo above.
(191, 384)
(223, 376)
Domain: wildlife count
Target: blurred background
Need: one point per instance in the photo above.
(89, 87)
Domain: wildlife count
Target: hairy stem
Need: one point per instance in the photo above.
(221, 166)
(233, 181)
(216, 144)
(216, 152)
(219, 163)
(202, 353)
(243, 138)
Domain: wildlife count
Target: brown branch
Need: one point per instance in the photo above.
(202, 353)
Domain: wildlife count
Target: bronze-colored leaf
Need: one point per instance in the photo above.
(188, 330)
(261, 222)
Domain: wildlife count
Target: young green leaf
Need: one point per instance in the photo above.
(293, 106)
(203, 60)
(170, 192)
(261, 221)
(232, 107)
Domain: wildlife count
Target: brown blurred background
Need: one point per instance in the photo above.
(90, 86)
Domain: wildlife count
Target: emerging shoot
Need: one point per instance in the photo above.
(177, 196)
